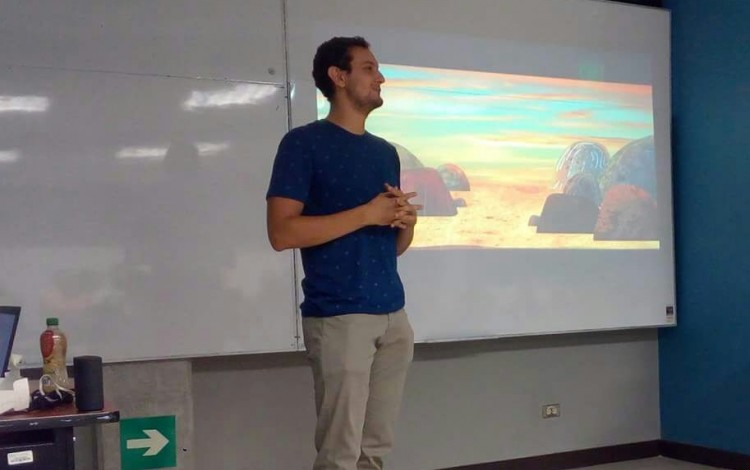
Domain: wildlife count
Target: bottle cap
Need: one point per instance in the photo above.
(53, 321)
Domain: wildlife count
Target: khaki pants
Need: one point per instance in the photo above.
(359, 364)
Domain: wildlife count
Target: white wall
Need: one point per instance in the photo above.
(465, 403)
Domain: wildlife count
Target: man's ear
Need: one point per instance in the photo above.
(337, 76)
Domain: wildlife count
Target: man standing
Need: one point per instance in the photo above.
(334, 193)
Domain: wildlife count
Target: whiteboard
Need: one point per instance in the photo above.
(136, 142)
(137, 139)
(230, 39)
(520, 282)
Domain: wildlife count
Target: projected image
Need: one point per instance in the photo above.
(512, 161)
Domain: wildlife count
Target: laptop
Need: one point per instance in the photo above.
(8, 324)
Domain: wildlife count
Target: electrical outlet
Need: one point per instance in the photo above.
(551, 411)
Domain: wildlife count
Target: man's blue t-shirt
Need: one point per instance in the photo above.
(330, 170)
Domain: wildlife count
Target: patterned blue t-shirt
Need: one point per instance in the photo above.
(330, 170)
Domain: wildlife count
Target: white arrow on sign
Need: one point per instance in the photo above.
(155, 442)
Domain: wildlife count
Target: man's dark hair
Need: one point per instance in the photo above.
(335, 52)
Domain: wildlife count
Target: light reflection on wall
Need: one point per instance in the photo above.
(157, 153)
(24, 104)
(9, 156)
(142, 153)
(238, 95)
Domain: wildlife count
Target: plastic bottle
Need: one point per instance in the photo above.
(54, 346)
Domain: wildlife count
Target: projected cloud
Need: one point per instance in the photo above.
(512, 161)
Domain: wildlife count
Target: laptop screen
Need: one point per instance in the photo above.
(8, 323)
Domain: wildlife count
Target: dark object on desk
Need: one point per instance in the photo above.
(89, 383)
(46, 401)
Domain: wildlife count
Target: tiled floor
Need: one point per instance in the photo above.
(656, 463)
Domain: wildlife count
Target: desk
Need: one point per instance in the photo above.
(47, 434)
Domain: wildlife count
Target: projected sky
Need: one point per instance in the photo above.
(512, 161)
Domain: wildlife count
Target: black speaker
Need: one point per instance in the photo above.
(89, 383)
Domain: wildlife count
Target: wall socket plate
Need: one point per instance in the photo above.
(551, 411)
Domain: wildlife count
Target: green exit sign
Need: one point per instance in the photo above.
(148, 443)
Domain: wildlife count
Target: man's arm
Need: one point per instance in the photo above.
(406, 218)
(403, 239)
(288, 228)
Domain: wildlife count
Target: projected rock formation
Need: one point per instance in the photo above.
(627, 213)
(577, 175)
(408, 160)
(633, 164)
(584, 185)
(620, 193)
(432, 186)
(454, 177)
(564, 213)
(431, 191)
(581, 157)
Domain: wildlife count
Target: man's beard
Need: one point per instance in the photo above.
(367, 104)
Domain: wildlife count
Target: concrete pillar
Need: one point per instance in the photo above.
(144, 389)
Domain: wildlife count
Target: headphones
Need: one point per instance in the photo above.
(44, 401)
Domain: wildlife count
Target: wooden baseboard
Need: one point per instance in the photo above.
(574, 459)
(704, 455)
(620, 453)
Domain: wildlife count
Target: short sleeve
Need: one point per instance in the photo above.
(292, 169)
(396, 165)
